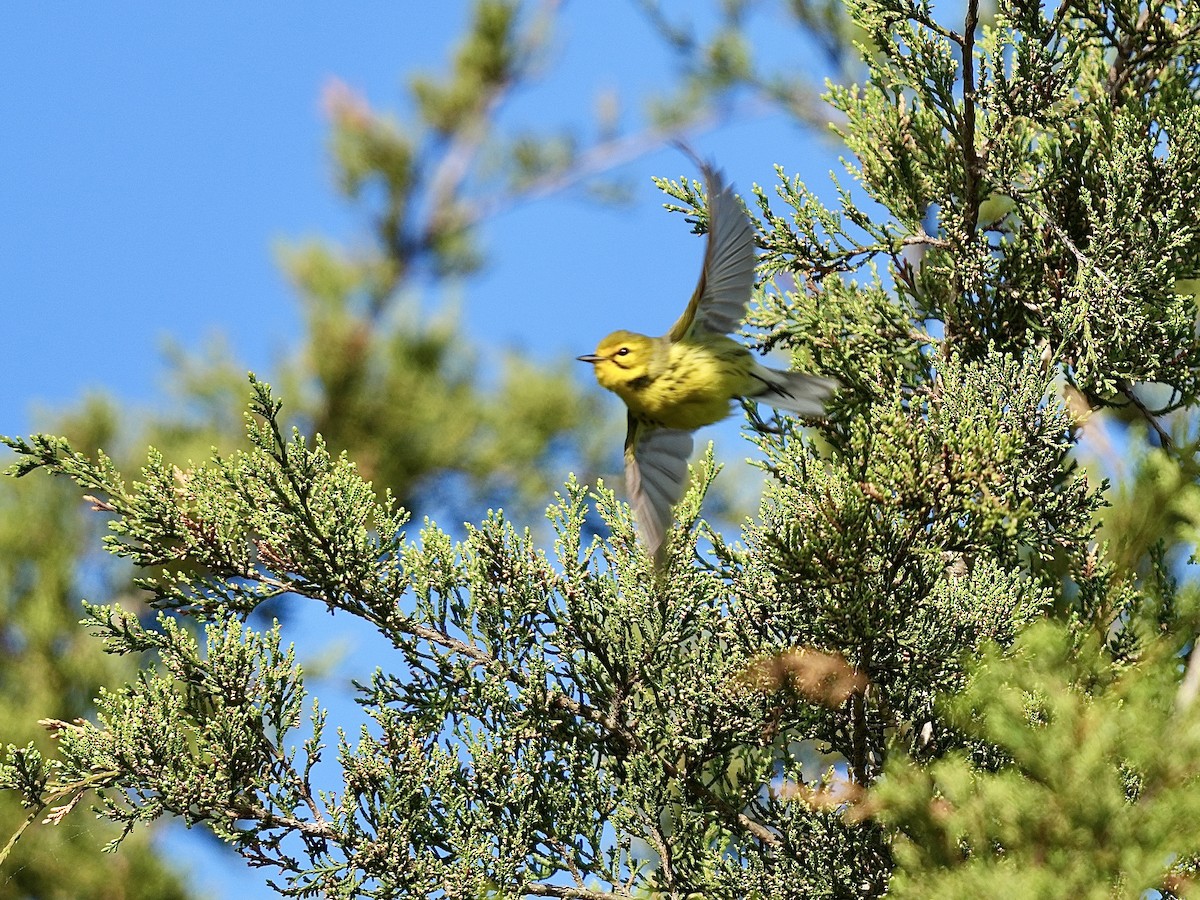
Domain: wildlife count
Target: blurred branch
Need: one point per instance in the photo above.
(714, 67)
(599, 158)
(1163, 437)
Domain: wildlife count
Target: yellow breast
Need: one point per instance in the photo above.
(696, 386)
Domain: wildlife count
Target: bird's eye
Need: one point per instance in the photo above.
(624, 351)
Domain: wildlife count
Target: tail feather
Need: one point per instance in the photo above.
(794, 392)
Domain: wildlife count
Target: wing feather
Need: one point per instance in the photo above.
(719, 302)
(655, 477)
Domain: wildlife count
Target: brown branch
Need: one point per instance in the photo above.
(971, 163)
(858, 725)
(268, 819)
(659, 841)
(300, 782)
(567, 892)
(1060, 14)
(1080, 257)
(1122, 67)
(1164, 439)
(921, 239)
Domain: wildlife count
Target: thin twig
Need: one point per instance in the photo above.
(1164, 439)
(1080, 257)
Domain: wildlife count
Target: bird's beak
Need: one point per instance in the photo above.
(590, 357)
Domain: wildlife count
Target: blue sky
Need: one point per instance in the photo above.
(153, 157)
(155, 154)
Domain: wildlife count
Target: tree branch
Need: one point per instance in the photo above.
(1164, 439)
(971, 164)
(567, 892)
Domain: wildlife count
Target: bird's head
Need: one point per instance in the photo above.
(622, 358)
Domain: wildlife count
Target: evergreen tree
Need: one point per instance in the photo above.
(53, 670)
(365, 344)
(936, 663)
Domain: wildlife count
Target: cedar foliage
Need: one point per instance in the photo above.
(935, 664)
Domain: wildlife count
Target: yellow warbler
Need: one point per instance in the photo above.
(688, 377)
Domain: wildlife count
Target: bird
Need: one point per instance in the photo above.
(689, 377)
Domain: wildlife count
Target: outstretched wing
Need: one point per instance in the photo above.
(655, 476)
(727, 279)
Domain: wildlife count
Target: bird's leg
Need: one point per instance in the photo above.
(757, 423)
